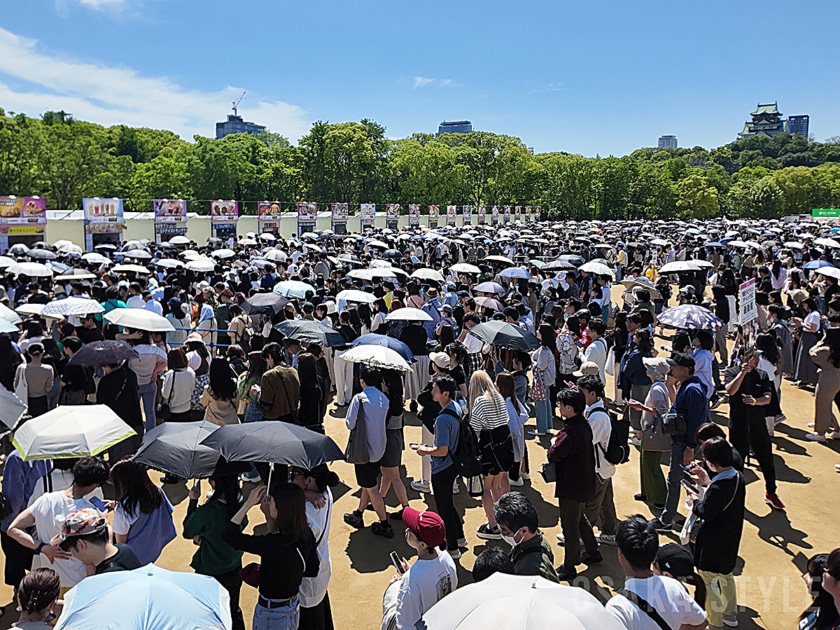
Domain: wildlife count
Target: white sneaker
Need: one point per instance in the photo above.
(562, 539)
(635, 441)
(811, 425)
(525, 476)
(815, 437)
(606, 539)
(837, 466)
(834, 435)
(421, 487)
(517, 483)
(730, 620)
(454, 553)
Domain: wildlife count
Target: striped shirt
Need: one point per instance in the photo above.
(487, 415)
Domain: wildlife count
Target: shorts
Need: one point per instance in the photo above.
(394, 446)
(367, 475)
(496, 450)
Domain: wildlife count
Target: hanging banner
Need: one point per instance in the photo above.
(340, 214)
(529, 213)
(414, 214)
(451, 213)
(507, 214)
(103, 211)
(23, 215)
(169, 230)
(392, 215)
(268, 211)
(222, 211)
(468, 215)
(434, 213)
(482, 214)
(269, 226)
(103, 228)
(307, 215)
(537, 212)
(170, 210)
(368, 214)
(746, 299)
(517, 214)
(494, 215)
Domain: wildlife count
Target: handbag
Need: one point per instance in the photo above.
(549, 472)
(163, 410)
(357, 446)
(609, 368)
(674, 423)
(538, 391)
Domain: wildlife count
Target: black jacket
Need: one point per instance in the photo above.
(722, 511)
(119, 391)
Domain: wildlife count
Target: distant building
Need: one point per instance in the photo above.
(667, 142)
(235, 124)
(459, 126)
(766, 121)
(798, 124)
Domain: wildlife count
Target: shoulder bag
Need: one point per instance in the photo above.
(646, 607)
(164, 411)
(357, 451)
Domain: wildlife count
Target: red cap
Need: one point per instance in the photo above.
(427, 526)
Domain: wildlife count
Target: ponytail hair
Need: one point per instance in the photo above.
(38, 589)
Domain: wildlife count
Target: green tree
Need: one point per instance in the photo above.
(73, 156)
(696, 198)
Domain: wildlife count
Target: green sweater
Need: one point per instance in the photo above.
(213, 556)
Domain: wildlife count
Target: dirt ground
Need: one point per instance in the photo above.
(774, 549)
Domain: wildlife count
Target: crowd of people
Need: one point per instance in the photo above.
(497, 326)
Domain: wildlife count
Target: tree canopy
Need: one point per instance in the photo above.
(65, 160)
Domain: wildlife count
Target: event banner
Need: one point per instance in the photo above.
(434, 213)
(340, 214)
(494, 215)
(451, 213)
(468, 215)
(392, 215)
(268, 210)
(269, 226)
(507, 214)
(517, 214)
(529, 213)
(103, 211)
(23, 211)
(746, 299)
(538, 212)
(222, 211)
(368, 214)
(414, 214)
(307, 212)
(170, 210)
(482, 214)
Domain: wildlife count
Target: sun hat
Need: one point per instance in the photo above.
(194, 336)
(657, 367)
(440, 359)
(587, 368)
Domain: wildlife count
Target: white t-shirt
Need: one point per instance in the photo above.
(667, 595)
(597, 353)
(50, 512)
(123, 520)
(423, 586)
(313, 590)
(136, 301)
(599, 421)
(813, 318)
(54, 481)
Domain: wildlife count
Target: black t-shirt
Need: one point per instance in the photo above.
(89, 335)
(756, 384)
(124, 560)
(458, 374)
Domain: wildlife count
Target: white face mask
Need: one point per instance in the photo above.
(511, 540)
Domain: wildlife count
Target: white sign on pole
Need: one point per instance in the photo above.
(746, 296)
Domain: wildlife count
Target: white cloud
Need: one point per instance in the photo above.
(117, 95)
(101, 4)
(424, 81)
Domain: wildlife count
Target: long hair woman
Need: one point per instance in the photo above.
(315, 612)
(178, 385)
(204, 526)
(826, 356)
(143, 514)
(220, 397)
(545, 371)
(517, 416)
(822, 614)
(312, 393)
(489, 419)
(288, 553)
(389, 465)
(805, 370)
(256, 368)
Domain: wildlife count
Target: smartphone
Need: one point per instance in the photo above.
(98, 504)
(414, 446)
(685, 468)
(395, 560)
(689, 485)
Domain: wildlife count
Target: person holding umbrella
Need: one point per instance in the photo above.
(118, 390)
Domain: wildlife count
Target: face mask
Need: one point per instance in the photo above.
(511, 540)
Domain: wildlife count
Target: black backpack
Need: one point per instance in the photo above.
(617, 451)
(467, 457)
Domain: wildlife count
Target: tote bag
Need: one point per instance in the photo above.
(357, 445)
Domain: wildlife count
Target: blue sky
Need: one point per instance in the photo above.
(591, 78)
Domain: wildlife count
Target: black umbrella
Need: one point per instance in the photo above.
(273, 441)
(103, 353)
(41, 254)
(264, 304)
(504, 335)
(176, 449)
(311, 332)
(392, 253)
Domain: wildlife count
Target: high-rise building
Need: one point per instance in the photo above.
(235, 124)
(667, 142)
(459, 126)
(798, 124)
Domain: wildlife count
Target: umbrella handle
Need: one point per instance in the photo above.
(270, 473)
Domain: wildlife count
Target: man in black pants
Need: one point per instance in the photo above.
(444, 473)
(750, 391)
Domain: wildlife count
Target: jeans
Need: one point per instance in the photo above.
(675, 475)
(544, 419)
(253, 412)
(285, 618)
(618, 272)
(442, 489)
(147, 398)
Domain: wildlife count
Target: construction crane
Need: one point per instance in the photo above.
(236, 103)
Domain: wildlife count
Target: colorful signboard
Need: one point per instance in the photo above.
(467, 215)
(307, 212)
(482, 214)
(538, 211)
(434, 213)
(414, 214)
(106, 211)
(392, 215)
(451, 213)
(340, 212)
(529, 213)
(368, 214)
(494, 215)
(170, 210)
(507, 214)
(222, 211)
(22, 211)
(268, 211)
(823, 213)
(517, 213)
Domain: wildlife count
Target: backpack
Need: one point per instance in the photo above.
(467, 457)
(617, 451)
